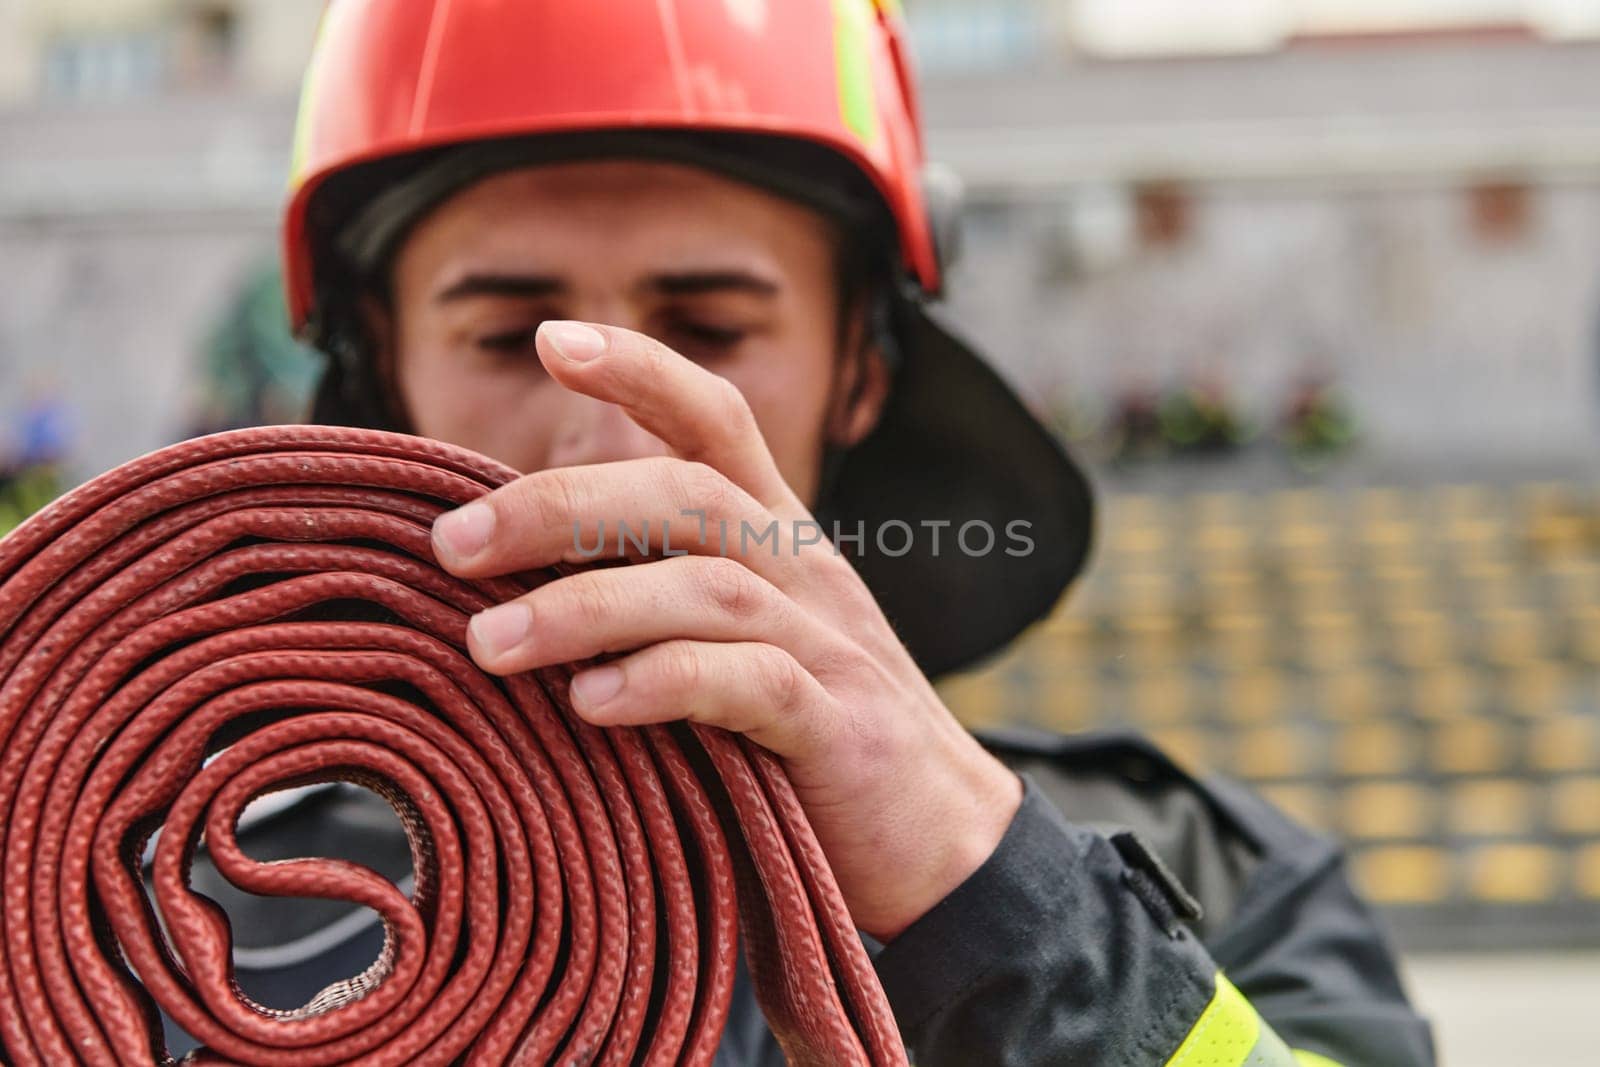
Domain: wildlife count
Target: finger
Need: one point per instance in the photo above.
(617, 609)
(700, 415)
(751, 688)
(628, 509)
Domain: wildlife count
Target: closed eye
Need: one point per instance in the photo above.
(711, 335)
(703, 341)
(510, 342)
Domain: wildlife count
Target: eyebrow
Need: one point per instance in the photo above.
(676, 283)
(519, 285)
(694, 283)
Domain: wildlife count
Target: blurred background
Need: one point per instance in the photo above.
(1313, 285)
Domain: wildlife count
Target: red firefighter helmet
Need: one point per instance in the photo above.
(390, 78)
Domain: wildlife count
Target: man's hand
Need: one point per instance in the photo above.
(783, 642)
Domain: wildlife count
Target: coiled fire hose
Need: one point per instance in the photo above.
(260, 610)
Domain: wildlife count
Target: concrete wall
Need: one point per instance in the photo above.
(1448, 344)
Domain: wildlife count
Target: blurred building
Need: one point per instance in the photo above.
(1411, 213)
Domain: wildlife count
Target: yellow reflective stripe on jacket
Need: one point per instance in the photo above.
(1229, 1033)
(1312, 1059)
(1224, 1035)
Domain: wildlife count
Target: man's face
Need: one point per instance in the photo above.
(738, 280)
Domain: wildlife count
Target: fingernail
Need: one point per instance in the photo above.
(464, 532)
(575, 342)
(592, 688)
(501, 628)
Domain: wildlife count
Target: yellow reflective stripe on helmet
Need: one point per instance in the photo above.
(853, 23)
(1224, 1035)
(308, 101)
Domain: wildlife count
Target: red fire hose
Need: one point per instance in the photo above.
(261, 610)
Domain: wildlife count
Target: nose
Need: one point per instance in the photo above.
(593, 431)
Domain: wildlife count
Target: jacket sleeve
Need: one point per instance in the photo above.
(1081, 939)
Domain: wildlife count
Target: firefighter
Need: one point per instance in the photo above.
(673, 258)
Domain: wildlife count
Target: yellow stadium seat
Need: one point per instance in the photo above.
(1387, 811)
(1141, 545)
(1375, 749)
(1586, 872)
(1146, 592)
(1190, 747)
(1068, 700)
(1306, 804)
(1575, 806)
(1404, 874)
(1466, 500)
(1265, 753)
(1514, 873)
(1225, 580)
(1492, 586)
(1585, 629)
(1470, 746)
(1475, 541)
(1317, 590)
(1446, 693)
(1320, 576)
(1420, 639)
(1576, 584)
(1566, 743)
(1051, 652)
(1221, 505)
(1331, 639)
(1553, 534)
(1511, 638)
(1403, 587)
(1534, 497)
(1138, 507)
(1067, 623)
(1536, 690)
(1253, 696)
(1096, 598)
(1230, 590)
(1150, 641)
(1351, 695)
(1382, 503)
(1146, 624)
(1220, 544)
(981, 699)
(1491, 807)
(1300, 505)
(1332, 598)
(1240, 638)
(1390, 541)
(1160, 698)
(1304, 535)
(1306, 544)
